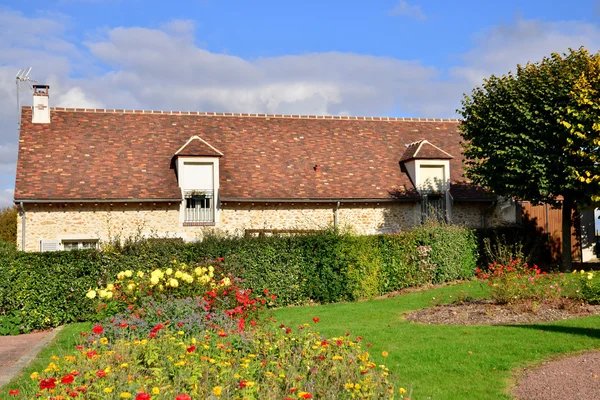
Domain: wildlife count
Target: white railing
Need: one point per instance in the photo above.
(199, 206)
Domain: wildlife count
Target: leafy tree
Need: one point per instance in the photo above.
(535, 134)
(8, 225)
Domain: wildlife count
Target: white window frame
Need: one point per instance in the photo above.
(80, 244)
(181, 176)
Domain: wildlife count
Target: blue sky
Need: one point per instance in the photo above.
(388, 57)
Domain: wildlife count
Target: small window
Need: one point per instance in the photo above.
(199, 207)
(79, 244)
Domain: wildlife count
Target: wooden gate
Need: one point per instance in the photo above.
(549, 221)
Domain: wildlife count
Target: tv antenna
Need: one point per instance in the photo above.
(23, 82)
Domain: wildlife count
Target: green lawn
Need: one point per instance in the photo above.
(64, 343)
(436, 362)
(448, 362)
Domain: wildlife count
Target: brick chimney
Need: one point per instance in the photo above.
(41, 110)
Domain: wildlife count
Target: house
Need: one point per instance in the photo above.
(88, 175)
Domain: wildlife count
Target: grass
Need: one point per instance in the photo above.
(63, 343)
(448, 362)
(436, 362)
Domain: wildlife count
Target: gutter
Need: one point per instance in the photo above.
(100, 201)
(23, 225)
(325, 200)
(335, 215)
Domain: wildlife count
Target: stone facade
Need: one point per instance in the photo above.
(102, 221)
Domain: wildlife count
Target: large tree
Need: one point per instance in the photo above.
(534, 135)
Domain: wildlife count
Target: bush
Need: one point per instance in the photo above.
(41, 288)
(589, 287)
(517, 281)
(8, 225)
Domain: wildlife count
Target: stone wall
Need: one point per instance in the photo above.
(104, 221)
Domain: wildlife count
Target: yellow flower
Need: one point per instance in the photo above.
(109, 295)
(173, 282)
(402, 390)
(154, 280)
(108, 389)
(349, 386)
(124, 365)
(590, 275)
(128, 273)
(131, 286)
(140, 274)
(155, 390)
(91, 294)
(384, 353)
(107, 370)
(169, 271)
(178, 274)
(55, 358)
(110, 287)
(125, 395)
(35, 376)
(121, 275)
(357, 386)
(582, 272)
(226, 281)
(103, 340)
(181, 333)
(217, 390)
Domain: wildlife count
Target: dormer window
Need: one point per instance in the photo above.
(428, 168)
(198, 175)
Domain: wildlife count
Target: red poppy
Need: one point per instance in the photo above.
(48, 383)
(316, 319)
(98, 329)
(191, 349)
(67, 379)
(101, 373)
(13, 392)
(183, 397)
(142, 396)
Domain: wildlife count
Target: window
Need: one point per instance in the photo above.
(79, 244)
(433, 207)
(199, 207)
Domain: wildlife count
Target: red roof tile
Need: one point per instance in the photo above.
(108, 154)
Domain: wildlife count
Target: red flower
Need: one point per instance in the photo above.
(243, 384)
(266, 291)
(13, 392)
(180, 324)
(273, 297)
(48, 383)
(75, 372)
(306, 396)
(183, 397)
(142, 396)
(81, 389)
(123, 325)
(152, 335)
(100, 373)
(292, 390)
(98, 329)
(316, 319)
(67, 379)
(253, 322)
(288, 330)
(191, 349)
(73, 394)
(91, 354)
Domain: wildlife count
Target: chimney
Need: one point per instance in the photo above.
(41, 111)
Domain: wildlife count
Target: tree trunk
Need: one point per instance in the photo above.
(567, 211)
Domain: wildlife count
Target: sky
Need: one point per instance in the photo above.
(403, 58)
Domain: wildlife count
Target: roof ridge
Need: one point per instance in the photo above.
(251, 115)
(425, 141)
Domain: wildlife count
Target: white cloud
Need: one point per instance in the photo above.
(403, 8)
(6, 197)
(165, 68)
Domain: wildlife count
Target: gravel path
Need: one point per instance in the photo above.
(574, 378)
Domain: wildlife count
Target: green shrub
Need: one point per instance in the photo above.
(8, 225)
(42, 288)
(589, 287)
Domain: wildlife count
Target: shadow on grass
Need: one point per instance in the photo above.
(572, 330)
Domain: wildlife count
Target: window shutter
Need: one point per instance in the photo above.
(49, 245)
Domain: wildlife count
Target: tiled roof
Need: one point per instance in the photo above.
(424, 150)
(116, 154)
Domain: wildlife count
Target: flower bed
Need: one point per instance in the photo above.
(164, 344)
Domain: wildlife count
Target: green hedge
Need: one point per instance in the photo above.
(47, 289)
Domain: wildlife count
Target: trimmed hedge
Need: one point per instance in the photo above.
(41, 290)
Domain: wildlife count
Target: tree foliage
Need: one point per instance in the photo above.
(534, 134)
(8, 225)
